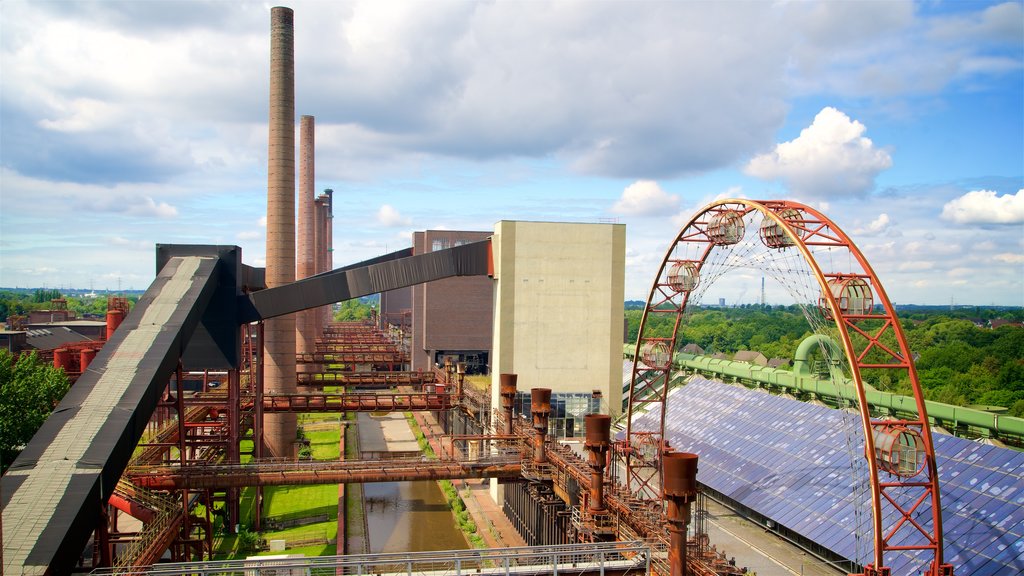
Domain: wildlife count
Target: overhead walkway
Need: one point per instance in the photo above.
(608, 559)
(219, 477)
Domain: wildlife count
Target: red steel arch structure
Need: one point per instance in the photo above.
(841, 297)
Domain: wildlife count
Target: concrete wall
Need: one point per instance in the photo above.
(559, 307)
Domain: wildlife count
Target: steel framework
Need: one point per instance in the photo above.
(850, 304)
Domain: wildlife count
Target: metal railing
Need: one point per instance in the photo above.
(566, 560)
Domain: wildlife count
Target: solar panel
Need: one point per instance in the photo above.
(792, 462)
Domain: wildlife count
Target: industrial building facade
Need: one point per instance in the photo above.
(451, 318)
(559, 297)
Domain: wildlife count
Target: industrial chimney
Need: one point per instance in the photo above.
(279, 333)
(306, 321)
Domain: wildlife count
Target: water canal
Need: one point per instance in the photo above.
(402, 516)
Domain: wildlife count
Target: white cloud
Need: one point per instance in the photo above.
(249, 235)
(389, 216)
(1009, 258)
(879, 225)
(645, 198)
(262, 222)
(831, 157)
(138, 244)
(985, 207)
(1000, 22)
(146, 206)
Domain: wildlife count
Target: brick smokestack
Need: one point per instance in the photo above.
(279, 333)
(328, 245)
(319, 212)
(305, 321)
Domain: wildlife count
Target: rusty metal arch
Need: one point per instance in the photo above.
(903, 495)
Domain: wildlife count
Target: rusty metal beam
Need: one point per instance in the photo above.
(392, 357)
(198, 477)
(356, 402)
(383, 378)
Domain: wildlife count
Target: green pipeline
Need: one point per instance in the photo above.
(882, 403)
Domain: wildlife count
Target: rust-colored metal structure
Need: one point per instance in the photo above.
(540, 409)
(215, 477)
(840, 293)
(279, 332)
(507, 390)
(114, 319)
(598, 441)
(680, 492)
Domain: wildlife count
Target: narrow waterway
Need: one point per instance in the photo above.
(404, 516)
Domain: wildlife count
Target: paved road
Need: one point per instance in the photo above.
(758, 550)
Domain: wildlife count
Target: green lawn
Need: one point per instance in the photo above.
(289, 502)
(324, 444)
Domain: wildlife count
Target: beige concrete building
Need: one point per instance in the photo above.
(558, 302)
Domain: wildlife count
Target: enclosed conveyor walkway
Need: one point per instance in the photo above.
(53, 492)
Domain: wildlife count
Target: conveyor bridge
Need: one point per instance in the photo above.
(53, 491)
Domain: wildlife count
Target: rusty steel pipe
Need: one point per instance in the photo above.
(131, 508)
(680, 484)
(540, 408)
(507, 390)
(597, 443)
(460, 369)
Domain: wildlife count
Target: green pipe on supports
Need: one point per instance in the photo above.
(987, 424)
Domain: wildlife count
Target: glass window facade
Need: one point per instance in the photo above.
(567, 411)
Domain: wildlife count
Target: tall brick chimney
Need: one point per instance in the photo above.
(279, 333)
(305, 321)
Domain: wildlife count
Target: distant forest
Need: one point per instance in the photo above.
(21, 302)
(961, 360)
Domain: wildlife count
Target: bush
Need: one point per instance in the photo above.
(248, 541)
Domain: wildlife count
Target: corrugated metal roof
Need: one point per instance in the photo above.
(793, 463)
(51, 338)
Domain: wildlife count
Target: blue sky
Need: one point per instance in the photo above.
(123, 125)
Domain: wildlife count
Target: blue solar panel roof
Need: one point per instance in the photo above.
(792, 462)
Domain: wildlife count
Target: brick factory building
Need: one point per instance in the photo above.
(451, 318)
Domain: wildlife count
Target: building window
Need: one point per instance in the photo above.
(567, 411)
(439, 244)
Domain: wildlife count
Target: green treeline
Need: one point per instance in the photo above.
(21, 302)
(960, 360)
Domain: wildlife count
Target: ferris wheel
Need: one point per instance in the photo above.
(842, 298)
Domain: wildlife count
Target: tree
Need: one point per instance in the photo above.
(351, 311)
(29, 391)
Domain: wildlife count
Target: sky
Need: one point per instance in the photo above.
(127, 124)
